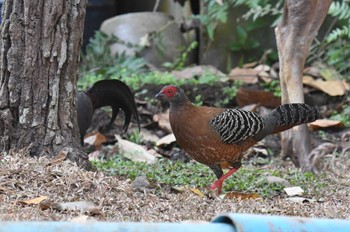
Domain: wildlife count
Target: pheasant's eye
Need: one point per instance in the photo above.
(169, 91)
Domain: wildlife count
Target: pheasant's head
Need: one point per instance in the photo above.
(172, 94)
(168, 92)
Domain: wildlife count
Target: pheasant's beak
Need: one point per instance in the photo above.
(160, 95)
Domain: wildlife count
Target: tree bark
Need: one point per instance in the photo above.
(40, 47)
(294, 35)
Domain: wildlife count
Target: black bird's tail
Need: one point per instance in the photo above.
(112, 93)
(116, 94)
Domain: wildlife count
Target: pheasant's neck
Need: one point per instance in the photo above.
(179, 104)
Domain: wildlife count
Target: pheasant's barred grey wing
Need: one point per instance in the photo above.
(237, 125)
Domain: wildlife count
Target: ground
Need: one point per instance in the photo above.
(113, 198)
(67, 192)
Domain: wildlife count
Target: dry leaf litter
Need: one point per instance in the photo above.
(36, 189)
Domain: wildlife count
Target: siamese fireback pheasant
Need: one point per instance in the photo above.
(214, 136)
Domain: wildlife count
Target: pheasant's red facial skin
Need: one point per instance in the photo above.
(168, 92)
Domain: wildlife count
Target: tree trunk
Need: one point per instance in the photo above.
(40, 46)
(294, 35)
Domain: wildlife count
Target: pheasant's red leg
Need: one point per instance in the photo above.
(218, 184)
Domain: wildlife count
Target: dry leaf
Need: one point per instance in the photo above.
(199, 70)
(154, 153)
(80, 219)
(166, 140)
(246, 75)
(134, 151)
(262, 67)
(179, 189)
(242, 196)
(59, 158)
(219, 2)
(95, 212)
(197, 191)
(148, 135)
(77, 205)
(95, 155)
(294, 191)
(96, 139)
(163, 121)
(327, 72)
(312, 71)
(264, 76)
(33, 201)
(253, 96)
(330, 87)
(325, 123)
(300, 200)
(145, 41)
(250, 65)
(46, 204)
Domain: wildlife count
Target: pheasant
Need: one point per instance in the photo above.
(215, 136)
(112, 93)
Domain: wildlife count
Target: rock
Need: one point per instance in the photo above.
(294, 191)
(140, 184)
(278, 180)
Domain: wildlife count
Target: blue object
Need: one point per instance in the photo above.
(222, 223)
(265, 223)
(112, 227)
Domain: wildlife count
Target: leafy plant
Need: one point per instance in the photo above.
(175, 173)
(332, 49)
(343, 116)
(230, 93)
(340, 10)
(273, 86)
(135, 137)
(179, 62)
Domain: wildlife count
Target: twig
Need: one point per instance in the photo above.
(156, 5)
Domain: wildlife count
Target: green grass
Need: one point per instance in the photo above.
(175, 173)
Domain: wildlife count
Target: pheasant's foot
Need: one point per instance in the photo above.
(218, 184)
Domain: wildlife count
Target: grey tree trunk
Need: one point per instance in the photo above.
(40, 46)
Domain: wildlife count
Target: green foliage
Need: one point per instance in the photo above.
(98, 58)
(135, 137)
(332, 49)
(176, 173)
(338, 33)
(162, 172)
(273, 86)
(261, 8)
(179, 62)
(215, 13)
(338, 55)
(243, 41)
(343, 116)
(97, 63)
(230, 93)
(341, 11)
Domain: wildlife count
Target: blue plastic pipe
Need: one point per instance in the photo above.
(112, 227)
(223, 223)
(266, 223)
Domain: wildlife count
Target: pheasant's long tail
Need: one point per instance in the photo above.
(289, 115)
